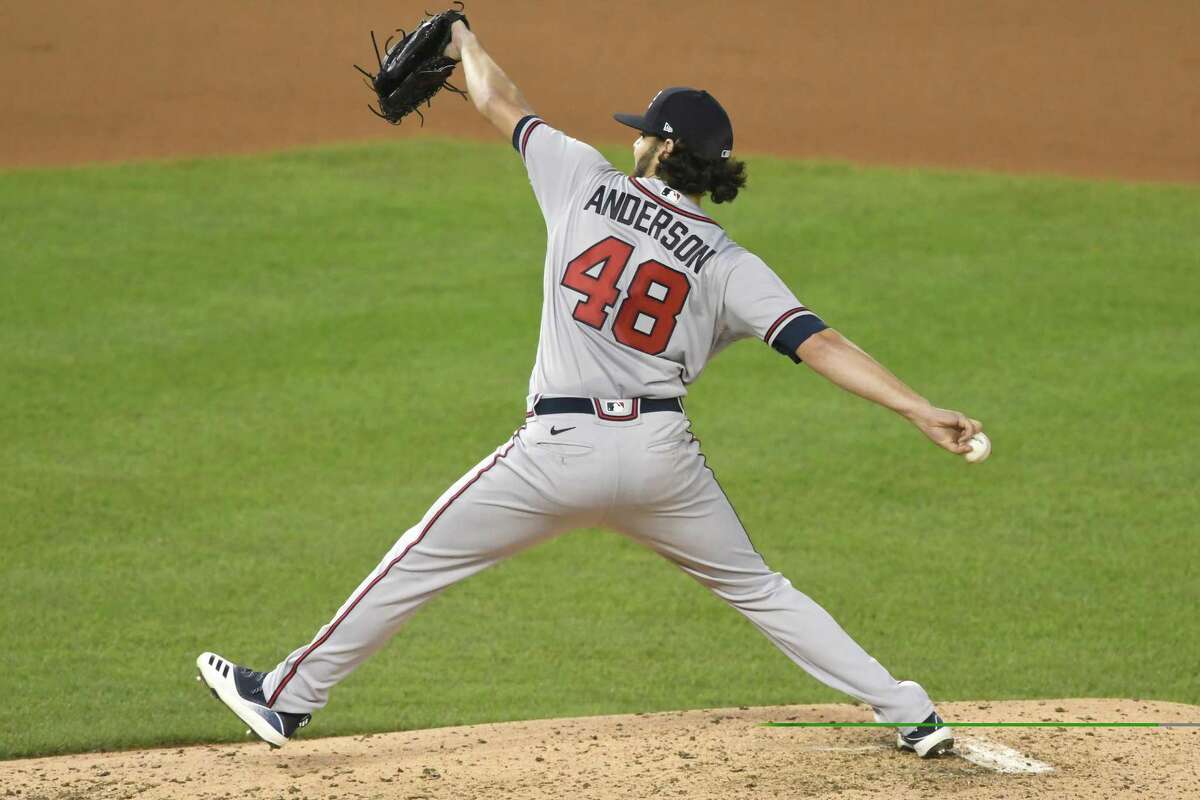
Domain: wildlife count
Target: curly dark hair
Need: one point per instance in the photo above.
(686, 172)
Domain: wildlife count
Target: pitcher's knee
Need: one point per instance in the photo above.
(753, 590)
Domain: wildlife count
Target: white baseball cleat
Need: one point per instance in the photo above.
(931, 738)
(240, 688)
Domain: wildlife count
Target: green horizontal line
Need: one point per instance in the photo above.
(984, 724)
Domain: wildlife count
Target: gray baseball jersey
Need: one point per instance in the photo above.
(641, 290)
(641, 287)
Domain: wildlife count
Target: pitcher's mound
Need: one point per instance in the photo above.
(723, 753)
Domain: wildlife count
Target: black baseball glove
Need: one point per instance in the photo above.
(414, 69)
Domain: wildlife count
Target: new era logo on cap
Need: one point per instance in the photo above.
(667, 128)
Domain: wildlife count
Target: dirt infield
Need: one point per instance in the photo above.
(1086, 87)
(722, 753)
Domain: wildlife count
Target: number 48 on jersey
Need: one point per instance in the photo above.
(647, 316)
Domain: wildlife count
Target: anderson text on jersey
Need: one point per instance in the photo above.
(643, 214)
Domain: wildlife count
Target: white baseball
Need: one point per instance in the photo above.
(981, 448)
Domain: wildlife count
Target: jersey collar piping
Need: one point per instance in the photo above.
(663, 202)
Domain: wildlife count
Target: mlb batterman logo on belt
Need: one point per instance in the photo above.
(641, 289)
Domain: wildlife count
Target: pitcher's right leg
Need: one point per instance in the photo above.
(694, 525)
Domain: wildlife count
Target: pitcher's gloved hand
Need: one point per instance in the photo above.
(415, 68)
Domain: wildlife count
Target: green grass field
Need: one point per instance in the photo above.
(229, 385)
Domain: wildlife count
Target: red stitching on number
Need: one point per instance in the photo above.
(382, 575)
(782, 317)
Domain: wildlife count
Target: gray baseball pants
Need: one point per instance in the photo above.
(644, 477)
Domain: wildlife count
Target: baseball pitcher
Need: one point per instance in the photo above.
(641, 289)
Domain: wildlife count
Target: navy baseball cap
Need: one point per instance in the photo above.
(691, 115)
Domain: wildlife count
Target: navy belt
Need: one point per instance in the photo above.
(606, 409)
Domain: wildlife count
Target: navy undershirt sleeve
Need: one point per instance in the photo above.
(516, 137)
(795, 332)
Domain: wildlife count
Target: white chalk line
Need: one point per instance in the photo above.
(998, 757)
(866, 749)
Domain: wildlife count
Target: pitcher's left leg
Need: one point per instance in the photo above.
(494, 511)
